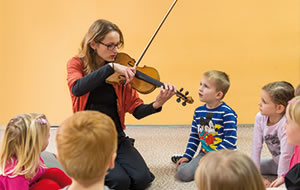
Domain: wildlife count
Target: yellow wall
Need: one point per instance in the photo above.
(254, 41)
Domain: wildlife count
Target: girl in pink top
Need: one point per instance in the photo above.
(21, 166)
(269, 128)
(292, 132)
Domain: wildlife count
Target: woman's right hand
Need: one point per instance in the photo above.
(128, 72)
(181, 160)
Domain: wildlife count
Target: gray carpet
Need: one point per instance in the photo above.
(158, 144)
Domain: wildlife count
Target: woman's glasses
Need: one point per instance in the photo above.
(111, 46)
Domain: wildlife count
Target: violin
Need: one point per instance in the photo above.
(146, 78)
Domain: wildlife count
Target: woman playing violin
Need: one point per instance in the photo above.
(89, 91)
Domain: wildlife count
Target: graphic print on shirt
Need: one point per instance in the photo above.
(273, 143)
(207, 131)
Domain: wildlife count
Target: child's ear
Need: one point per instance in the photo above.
(219, 95)
(111, 164)
(280, 108)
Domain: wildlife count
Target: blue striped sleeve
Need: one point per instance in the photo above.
(193, 142)
(229, 132)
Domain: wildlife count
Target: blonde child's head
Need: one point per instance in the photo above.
(25, 137)
(220, 79)
(293, 121)
(227, 169)
(280, 92)
(86, 145)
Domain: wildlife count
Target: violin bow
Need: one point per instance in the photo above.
(153, 36)
(154, 81)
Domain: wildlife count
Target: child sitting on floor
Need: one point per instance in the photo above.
(21, 166)
(214, 124)
(269, 128)
(228, 169)
(293, 134)
(292, 178)
(87, 145)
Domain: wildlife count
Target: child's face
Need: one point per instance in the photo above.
(292, 130)
(266, 106)
(207, 92)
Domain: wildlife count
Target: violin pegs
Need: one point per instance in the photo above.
(178, 100)
(187, 93)
(184, 103)
(181, 89)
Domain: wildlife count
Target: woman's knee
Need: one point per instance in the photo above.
(142, 180)
(118, 181)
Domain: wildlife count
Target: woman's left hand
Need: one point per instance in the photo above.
(164, 95)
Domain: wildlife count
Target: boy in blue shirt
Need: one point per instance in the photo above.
(214, 124)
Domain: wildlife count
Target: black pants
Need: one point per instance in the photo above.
(131, 171)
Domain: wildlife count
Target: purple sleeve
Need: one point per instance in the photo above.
(257, 142)
(286, 152)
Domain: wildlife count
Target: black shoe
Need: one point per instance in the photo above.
(176, 157)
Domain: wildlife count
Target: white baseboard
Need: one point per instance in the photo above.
(2, 126)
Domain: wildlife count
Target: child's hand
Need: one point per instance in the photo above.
(181, 160)
(266, 182)
(277, 182)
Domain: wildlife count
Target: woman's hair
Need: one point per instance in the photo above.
(96, 33)
(228, 169)
(221, 79)
(280, 92)
(86, 142)
(22, 143)
(293, 109)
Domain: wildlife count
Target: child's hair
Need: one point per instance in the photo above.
(227, 169)
(23, 142)
(293, 109)
(86, 142)
(297, 91)
(221, 80)
(280, 92)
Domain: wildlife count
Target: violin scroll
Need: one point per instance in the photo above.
(184, 97)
